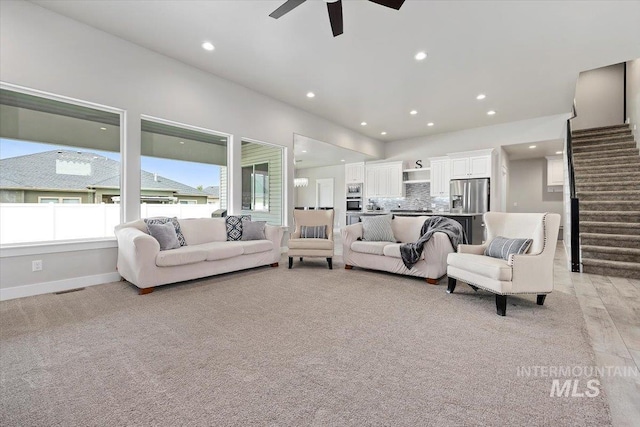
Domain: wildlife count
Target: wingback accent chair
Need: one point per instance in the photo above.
(309, 246)
(528, 273)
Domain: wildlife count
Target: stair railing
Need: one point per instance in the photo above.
(574, 202)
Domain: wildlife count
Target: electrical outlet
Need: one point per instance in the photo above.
(36, 265)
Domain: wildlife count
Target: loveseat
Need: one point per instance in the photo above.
(206, 253)
(385, 256)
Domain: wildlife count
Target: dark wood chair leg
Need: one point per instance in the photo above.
(432, 281)
(330, 262)
(540, 300)
(501, 305)
(275, 264)
(290, 262)
(348, 267)
(144, 291)
(452, 285)
(300, 258)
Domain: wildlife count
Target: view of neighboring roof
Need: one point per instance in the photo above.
(76, 170)
(212, 190)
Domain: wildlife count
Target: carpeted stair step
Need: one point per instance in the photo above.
(633, 176)
(597, 169)
(601, 130)
(608, 186)
(610, 253)
(630, 270)
(610, 216)
(606, 205)
(615, 240)
(584, 142)
(600, 147)
(603, 154)
(609, 196)
(604, 161)
(610, 227)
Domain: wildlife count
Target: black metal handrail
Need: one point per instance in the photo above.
(575, 203)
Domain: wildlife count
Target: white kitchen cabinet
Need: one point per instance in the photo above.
(555, 170)
(354, 173)
(471, 164)
(383, 180)
(440, 176)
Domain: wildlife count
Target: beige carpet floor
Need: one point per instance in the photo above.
(273, 346)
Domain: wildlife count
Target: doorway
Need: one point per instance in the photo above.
(324, 193)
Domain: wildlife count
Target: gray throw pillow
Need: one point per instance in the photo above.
(165, 234)
(501, 247)
(377, 228)
(164, 220)
(313, 231)
(253, 230)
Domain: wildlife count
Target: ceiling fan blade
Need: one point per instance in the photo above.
(335, 17)
(287, 7)
(393, 4)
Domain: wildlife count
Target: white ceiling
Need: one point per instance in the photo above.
(311, 153)
(525, 55)
(532, 151)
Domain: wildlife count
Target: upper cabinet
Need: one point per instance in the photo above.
(440, 176)
(555, 170)
(471, 164)
(383, 180)
(354, 173)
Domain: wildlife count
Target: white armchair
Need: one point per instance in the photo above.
(301, 246)
(529, 273)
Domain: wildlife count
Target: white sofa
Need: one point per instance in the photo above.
(385, 256)
(207, 253)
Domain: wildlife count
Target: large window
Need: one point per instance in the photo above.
(183, 170)
(59, 169)
(262, 181)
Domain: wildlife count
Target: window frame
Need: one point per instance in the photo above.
(60, 199)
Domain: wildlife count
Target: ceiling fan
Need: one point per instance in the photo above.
(334, 7)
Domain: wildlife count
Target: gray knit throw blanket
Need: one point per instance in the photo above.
(411, 252)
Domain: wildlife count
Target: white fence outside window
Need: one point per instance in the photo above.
(33, 222)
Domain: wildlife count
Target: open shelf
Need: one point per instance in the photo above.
(416, 181)
(417, 170)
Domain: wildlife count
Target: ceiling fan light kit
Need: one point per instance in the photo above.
(334, 8)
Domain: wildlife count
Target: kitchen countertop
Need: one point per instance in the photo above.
(411, 213)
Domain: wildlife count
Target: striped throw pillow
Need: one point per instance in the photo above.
(501, 247)
(313, 231)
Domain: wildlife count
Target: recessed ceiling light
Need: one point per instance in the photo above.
(559, 152)
(342, 160)
(310, 95)
(413, 112)
(430, 124)
(103, 128)
(383, 133)
(420, 56)
(363, 124)
(181, 142)
(532, 146)
(491, 112)
(304, 151)
(208, 46)
(481, 96)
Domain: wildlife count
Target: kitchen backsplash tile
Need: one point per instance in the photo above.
(417, 196)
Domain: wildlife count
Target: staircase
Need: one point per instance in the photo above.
(607, 174)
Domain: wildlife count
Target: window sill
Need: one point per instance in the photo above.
(26, 249)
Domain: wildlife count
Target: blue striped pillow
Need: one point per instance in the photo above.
(313, 231)
(501, 247)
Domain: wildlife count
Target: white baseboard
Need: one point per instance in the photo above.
(57, 286)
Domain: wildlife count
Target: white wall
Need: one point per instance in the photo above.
(533, 130)
(42, 50)
(599, 98)
(306, 196)
(528, 188)
(633, 97)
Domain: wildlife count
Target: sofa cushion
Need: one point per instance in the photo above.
(253, 246)
(203, 230)
(377, 229)
(393, 250)
(181, 256)
(164, 220)
(374, 248)
(222, 250)
(165, 234)
(253, 230)
(310, 244)
(493, 268)
(406, 229)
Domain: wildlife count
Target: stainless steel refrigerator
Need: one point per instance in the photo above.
(469, 195)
